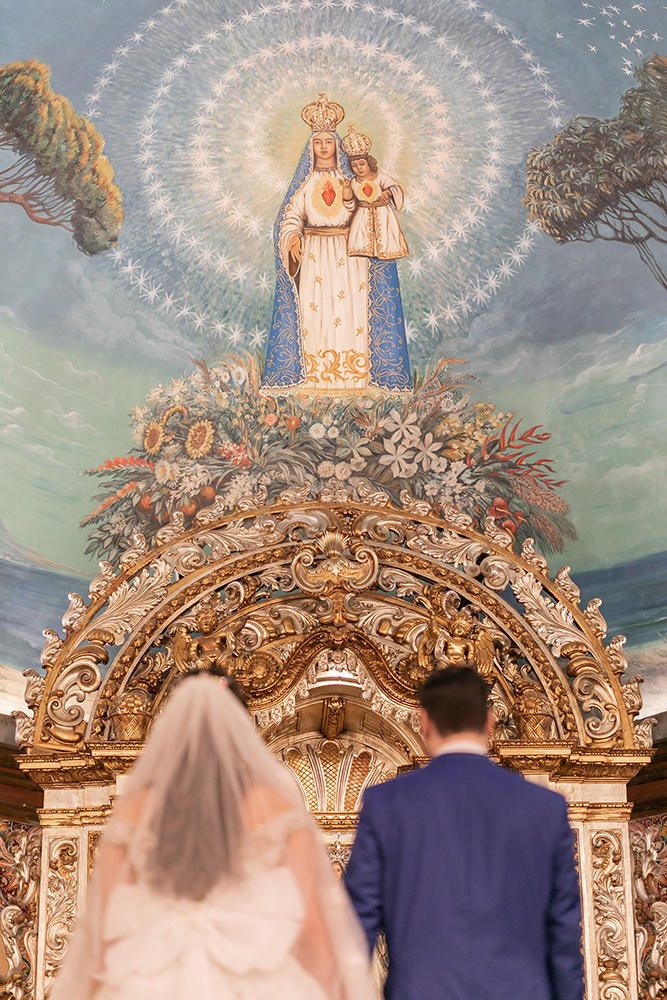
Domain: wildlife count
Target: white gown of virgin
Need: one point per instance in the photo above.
(282, 929)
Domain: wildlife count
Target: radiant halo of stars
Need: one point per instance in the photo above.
(200, 110)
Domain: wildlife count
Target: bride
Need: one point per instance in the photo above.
(211, 880)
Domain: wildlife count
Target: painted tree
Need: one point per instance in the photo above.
(604, 179)
(61, 176)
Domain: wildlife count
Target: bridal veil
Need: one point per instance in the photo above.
(189, 828)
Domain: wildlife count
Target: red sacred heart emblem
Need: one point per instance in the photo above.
(368, 190)
(328, 194)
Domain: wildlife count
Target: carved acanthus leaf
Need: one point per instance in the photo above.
(552, 622)
(296, 495)
(537, 561)
(135, 552)
(448, 547)
(334, 492)
(614, 651)
(405, 583)
(131, 600)
(594, 618)
(173, 529)
(373, 498)
(420, 507)
(568, 587)
(644, 733)
(236, 537)
(456, 518)
(75, 613)
(34, 687)
(254, 501)
(632, 695)
(101, 583)
(25, 728)
(501, 538)
(52, 648)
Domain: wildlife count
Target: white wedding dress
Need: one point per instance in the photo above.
(210, 880)
(236, 944)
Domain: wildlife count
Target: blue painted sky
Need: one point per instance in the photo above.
(575, 340)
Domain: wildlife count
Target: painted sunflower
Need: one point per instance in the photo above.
(153, 437)
(199, 439)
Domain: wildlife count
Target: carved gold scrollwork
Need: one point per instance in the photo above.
(335, 570)
(364, 567)
(19, 857)
(62, 881)
(610, 915)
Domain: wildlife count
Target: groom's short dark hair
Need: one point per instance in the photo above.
(456, 699)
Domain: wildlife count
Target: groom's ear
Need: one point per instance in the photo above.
(426, 724)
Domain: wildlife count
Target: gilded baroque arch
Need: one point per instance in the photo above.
(329, 612)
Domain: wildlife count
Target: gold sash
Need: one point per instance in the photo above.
(326, 230)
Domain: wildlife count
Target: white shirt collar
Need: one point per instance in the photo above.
(461, 746)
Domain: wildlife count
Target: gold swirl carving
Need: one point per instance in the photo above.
(334, 551)
(611, 919)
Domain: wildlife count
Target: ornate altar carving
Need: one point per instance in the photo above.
(19, 860)
(329, 613)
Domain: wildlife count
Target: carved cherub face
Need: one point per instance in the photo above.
(461, 628)
(206, 621)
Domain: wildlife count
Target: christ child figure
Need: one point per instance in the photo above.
(374, 229)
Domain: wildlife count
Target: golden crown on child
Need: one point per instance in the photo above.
(323, 115)
(354, 143)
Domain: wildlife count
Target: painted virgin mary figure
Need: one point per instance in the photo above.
(337, 324)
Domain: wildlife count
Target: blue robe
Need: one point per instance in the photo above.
(389, 364)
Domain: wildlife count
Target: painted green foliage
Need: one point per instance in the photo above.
(61, 177)
(213, 433)
(604, 178)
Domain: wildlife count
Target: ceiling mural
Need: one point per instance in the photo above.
(333, 247)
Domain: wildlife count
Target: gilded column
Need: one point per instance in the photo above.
(605, 870)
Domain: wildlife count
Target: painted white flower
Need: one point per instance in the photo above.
(333, 432)
(427, 451)
(343, 471)
(440, 464)
(450, 479)
(399, 457)
(178, 389)
(317, 431)
(166, 472)
(431, 488)
(480, 486)
(241, 486)
(327, 421)
(239, 375)
(155, 394)
(407, 427)
(326, 469)
(138, 433)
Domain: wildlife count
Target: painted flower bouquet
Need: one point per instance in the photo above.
(212, 433)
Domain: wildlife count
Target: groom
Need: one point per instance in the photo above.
(467, 867)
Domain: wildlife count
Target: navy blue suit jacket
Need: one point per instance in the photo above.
(469, 870)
